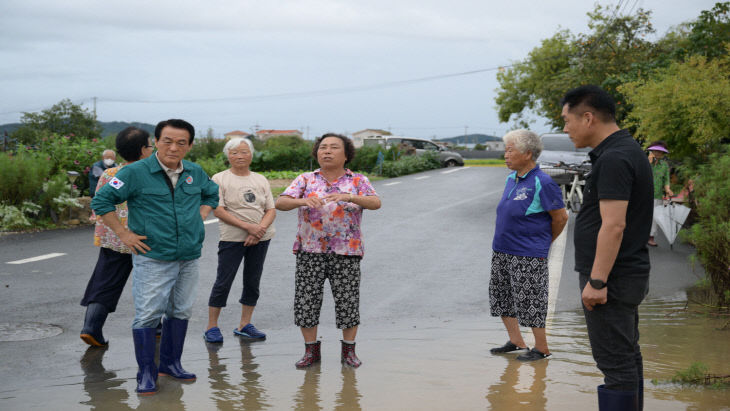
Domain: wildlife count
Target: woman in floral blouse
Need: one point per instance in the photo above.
(115, 259)
(329, 243)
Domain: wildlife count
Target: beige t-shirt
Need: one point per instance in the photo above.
(246, 198)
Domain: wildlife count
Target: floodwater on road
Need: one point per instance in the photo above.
(440, 365)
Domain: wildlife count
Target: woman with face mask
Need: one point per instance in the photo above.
(97, 169)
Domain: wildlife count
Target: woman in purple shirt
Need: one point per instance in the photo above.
(530, 216)
(329, 243)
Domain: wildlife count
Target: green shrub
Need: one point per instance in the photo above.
(711, 232)
(284, 158)
(213, 165)
(65, 154)
(57, 197)
(205, 147)
(21, 177)
(17, 217)
(411, 164)
(366, 157)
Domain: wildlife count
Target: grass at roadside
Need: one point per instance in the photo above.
(484, 162)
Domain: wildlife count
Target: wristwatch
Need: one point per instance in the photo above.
(597, 284)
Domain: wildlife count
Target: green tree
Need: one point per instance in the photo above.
(710, 31)
(711, 233)
(687, 105)
(614, 46)
(64, 118)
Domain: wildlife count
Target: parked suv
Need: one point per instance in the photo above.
(447, 158)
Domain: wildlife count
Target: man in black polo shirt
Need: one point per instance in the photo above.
(611, 232)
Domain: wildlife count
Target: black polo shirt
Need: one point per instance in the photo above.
(620, 171)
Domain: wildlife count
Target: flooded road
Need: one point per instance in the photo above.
(425, 334)
(436, 366)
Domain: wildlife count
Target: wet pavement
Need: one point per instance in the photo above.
(424, 339)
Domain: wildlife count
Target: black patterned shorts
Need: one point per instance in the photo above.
(343, 272)
(518, 288)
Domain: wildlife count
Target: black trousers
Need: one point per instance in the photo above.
(107, 282)
(613, 331)
(230, 254)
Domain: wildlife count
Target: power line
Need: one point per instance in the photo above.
(310, 93)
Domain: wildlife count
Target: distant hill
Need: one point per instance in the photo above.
(10, 127)
(109, 127)
(470, 139)
(114, 127)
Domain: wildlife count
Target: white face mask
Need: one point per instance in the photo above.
(108, 162)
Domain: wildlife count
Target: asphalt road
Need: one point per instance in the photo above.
(427, 260)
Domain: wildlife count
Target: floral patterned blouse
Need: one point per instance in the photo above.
(334, 227)
(103, 235)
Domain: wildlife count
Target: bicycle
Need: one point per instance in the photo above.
(571, 178)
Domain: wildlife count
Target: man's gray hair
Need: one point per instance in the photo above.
(524, 141)
(108, 150)
(235, 142)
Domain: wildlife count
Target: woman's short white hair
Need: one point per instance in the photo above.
(524, 141)
(235, 142)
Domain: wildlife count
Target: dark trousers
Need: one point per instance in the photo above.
(230, 254)
(613, 331)
(107, 282)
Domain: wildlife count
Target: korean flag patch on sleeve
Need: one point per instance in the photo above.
(116, 183)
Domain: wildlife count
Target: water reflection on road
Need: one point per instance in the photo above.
(435, 365)
(248, 394)
(521, 387)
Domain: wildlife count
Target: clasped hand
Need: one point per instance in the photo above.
(316, 202)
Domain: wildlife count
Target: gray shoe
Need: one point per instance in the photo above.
(533, 355)
(507, 348)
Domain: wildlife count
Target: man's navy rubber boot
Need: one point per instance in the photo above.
(171, 348)
(144, 350)
(612, 400)
(93, 323)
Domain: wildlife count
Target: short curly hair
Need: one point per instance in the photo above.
(349, 146)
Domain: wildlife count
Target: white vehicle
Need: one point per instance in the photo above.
(567, 165)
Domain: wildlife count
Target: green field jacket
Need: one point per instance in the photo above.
(170, 220)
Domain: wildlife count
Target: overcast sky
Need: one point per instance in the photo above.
(324, 65)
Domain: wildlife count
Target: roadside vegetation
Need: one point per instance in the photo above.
(698, 374)
(675, 88)
(44, 176)
(484, 162)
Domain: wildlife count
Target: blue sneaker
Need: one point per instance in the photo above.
(249, 331)
(213, 335)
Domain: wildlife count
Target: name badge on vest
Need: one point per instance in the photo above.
(189, 180)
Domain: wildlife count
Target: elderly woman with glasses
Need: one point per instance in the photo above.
(330, 200)
(246, 212)
(530, 215)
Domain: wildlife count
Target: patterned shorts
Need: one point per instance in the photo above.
(343, 272)
(518, 288)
